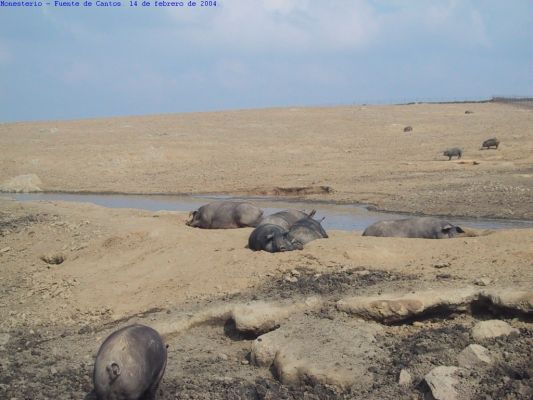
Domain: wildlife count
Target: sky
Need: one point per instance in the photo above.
(84, 62)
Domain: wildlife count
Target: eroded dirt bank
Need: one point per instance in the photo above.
(198, 287)
(348, 154)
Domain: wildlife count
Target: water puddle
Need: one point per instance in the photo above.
(345, 217)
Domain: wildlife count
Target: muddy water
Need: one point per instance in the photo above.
(345, 217)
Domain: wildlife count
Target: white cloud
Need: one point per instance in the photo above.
(289, 25)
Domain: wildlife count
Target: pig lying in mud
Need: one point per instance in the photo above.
(489, 143)
(453, 152)
(272, 238)
(275, 238)
(306, 230)
(418, 227)
(130, 364)
(225, 215)
(286, 218)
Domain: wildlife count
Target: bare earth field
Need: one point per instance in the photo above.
(348, 317)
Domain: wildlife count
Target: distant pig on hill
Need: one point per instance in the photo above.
(130, 364)
(490, 143)
(225, 215)
(453, 152)
(417, 227)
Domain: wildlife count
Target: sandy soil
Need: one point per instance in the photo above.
(122, 265)
(361, 153)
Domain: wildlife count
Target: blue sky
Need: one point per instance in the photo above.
(69, 63)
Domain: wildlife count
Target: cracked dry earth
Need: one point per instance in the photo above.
(377, 320)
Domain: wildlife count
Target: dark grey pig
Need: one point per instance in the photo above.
(286, 218)
(306, 230)
(225, 215)
(272, 238)
(489, 143)
(130, 364)
(417, 227)
(453, 152)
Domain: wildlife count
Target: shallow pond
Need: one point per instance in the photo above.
(345, 217)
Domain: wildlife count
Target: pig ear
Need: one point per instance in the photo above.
(113, 370)
(459, 229)
(270, 237)
(446, 228)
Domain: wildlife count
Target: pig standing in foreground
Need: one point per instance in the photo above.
(453, 152)
(418, 227)
(272, 238)
(130, 364)
(286, 218)
(306, 230)
(225, 215)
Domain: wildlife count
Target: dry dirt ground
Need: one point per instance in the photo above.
(119, 266)
(360, 153)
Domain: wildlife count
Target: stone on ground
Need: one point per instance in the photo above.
(492, 328)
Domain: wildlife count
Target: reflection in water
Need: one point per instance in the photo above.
(346, 217)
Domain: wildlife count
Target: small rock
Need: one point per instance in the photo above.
(223, 357)
(245, 362)
(443, 382)
(4, 339)
(53, 258)
(291, 279)
(405, 378)
(474, 355)
(484, 281)
(53, 370)
(5, 249)
(442, 265)
(295, 272)
(492, 328)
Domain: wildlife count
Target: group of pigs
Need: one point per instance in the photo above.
(132, 360)
(282, 231)
(292, 229)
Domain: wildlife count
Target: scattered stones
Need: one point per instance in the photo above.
(442, 265)
(56, 258)
(5, 250)
(492, 328)
(443, 382)
(474, 355)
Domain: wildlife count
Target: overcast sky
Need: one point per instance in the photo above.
(67, 63)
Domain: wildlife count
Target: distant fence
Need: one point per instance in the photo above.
(514, 100)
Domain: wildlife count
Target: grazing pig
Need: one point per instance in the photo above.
(130, 364)
(455, 151)
(225, 215)
(306, 230)
(489, 143)
(286, 218)
(271, 238)
(417, 227)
